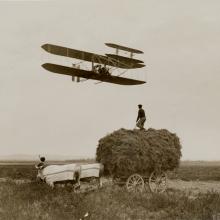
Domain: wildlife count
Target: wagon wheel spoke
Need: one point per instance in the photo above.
(140, 183)
(157, 182)
(134, 179)
(135, 183)
(162, 183)
(153, 178)
(130, 185)
(163, 179)
(130, 189)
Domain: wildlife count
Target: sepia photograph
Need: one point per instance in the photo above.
(109, 110)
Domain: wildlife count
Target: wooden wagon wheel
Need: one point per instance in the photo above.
(135, 183)
(158, 182)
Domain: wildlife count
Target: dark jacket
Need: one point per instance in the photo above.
(141, 114)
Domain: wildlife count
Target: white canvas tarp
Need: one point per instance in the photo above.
(55, 173)
(90, 170)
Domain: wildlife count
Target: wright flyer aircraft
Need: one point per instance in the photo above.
(102, 66)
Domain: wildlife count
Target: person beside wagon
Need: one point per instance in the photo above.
(41, 165)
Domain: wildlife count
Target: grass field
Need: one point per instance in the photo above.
(25, 200)
(197, 171)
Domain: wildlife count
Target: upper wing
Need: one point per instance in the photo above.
(90, 74)
(90, 57)
(124, 59)
(78, 54)
(128, 49)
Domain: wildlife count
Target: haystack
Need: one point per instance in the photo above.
(125, 152)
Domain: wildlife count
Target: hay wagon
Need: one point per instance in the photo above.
(139, 159)
(155, 181)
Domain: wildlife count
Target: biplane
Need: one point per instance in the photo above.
(101, 65)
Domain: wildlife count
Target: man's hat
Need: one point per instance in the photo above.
(139, 105)
(42, 159)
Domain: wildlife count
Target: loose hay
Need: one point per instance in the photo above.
(125, 152)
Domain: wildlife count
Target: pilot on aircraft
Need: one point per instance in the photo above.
(97, 68)
(105, 70)
(101, 69)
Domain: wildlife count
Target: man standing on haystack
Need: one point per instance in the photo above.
(140, 118)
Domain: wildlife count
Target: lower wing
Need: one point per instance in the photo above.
(90, 74)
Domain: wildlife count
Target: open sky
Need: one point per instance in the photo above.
(45, 113)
